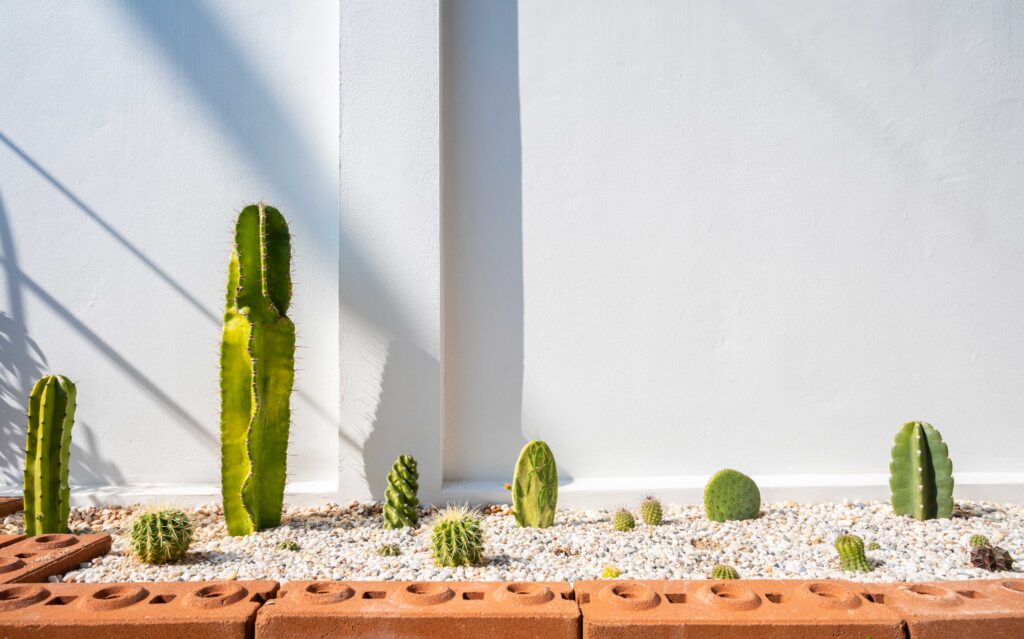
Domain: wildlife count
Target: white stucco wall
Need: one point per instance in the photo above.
(664, 236)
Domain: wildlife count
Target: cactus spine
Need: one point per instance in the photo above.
(721, 571)
(257, 371)
(535, 486)
(51, 414)
(400, 502)
(851, 553)
(160, 536)
(921, 473)
(457, 539)
(650, 511)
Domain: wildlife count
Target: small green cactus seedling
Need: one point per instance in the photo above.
(51, 414)
(731, 495)
(611, 572)
(400, 501)
(535, 486)
(288, 545)
(851, 554)
(650, 511)
(457, 539)
(721, 571)
(977, 541)
(623, 521)
(991, 558)
(921, 473)
(161, 536)
(389, 550)
(873, 546)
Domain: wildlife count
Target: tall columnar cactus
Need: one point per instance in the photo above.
(730, 495)
(51, 413)
(535, 486)
(457, 539)
(257, 371)
(400, 502)
(921, 473)
(851, 553)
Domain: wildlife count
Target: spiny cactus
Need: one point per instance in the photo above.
(873, 545)
(611, 572)
(51, 414)
(623, 520)
(457, 539)
(535, 486)
(977, 541)
(721, 571)
(257, 369)
(731, 495)
(289, 545)
(851, 554)
(991, 558)
(400, 502)
(650, 511)
(389, 550)
(921, 473)
(161, 536)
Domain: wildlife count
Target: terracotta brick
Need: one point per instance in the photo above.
(404, 610)
(36, 558)
(732, 610)
(10, 505)
(956, 610)
(7, 540)
(208, 610)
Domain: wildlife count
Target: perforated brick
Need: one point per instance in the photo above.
(10, 505)
(211, 610)
(36, 558)
(428, 610)
(7, 540)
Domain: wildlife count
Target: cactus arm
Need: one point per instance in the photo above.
(31, 486)
(272, 346)
(902, 479)
(277, 255)
(942, 473)
(70, 395)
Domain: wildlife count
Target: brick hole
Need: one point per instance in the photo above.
(62, 600)
(25, 555)
(1015, 586)
(109, 593)
(258, 598)
(875, 598)
(675, 597)
(584, 598)
(472, 596)
(569, 596)
(374, 594)
(932, 592)
(724, 593)
(162, 599)
(775, 597)
(970, 594)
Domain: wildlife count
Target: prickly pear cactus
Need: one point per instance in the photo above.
(400, 502)
(535, 486)
(650, 511)
(51, 414)
(731, 495)
(851, 554)
(921, 473)
(457, 539)
(721, 571)
(977, 541)
(623, 520)
(257, 363)
(161, 536)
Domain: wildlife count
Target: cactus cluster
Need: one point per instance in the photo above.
(623, 520)
(389, 550)
(457, 539)
(400, 501)
(721, 571)
(535, 486)
(851, 554)
(288, 545)
(650, 511)
(161, 536)
(51, 414)
(257, 364)
(730, 495)
(921, 473)
(611, 572)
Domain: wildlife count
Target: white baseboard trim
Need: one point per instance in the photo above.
(297, 494)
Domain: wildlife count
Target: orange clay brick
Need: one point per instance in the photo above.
(39, 557)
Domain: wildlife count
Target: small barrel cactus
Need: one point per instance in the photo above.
(977, 541)
(623, 520)
(160, 536)
(991, 558)
(731, 495)
(721, 571)
(288, 545)
(457, 539)
(851, 554)
(611, 572)
(650, 511)
(400, 501)
(389, 550)
(873, 545)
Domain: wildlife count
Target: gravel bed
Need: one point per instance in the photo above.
(788, 541)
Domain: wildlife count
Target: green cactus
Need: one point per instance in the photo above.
(389, 550)
(288, 545)
(400, 502)
(650, 511)
(873, 546)
(977, 541)
(457, 539)
(257, 362)
(623, 521)
(851, 554)
(731, 495)
(921, 473)
(721, 571)
(611, 572)
(161, 536)
(535, 486)
(51, 414)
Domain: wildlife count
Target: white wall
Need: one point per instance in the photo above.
(664, 236)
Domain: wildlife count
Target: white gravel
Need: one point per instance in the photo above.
(788, 541)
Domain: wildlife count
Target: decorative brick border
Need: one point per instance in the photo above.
(36, 558)
(10, 505)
